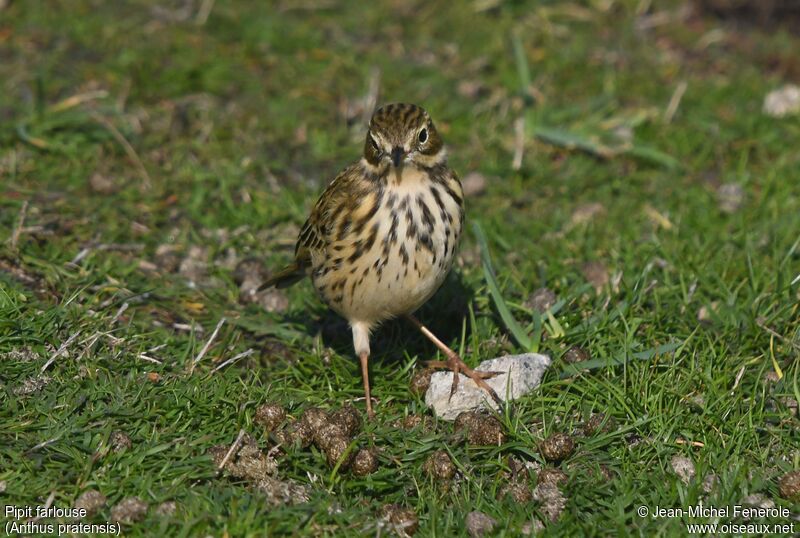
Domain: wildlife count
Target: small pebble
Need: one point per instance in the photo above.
(586, 212)
(282, 492)
(420, 381)
(474, 184)
(315, 417)
(21, 354)
(758, 500)
(439, 466)
(770, 377)
(348, 418)
(119, 441)
(551, 499)
(249, 273)
(683, 467)
(129, 510)
(246, 461)
(217, 453)
(730, 197)
(479, 524)
(328, 433)
(598, 423)
(194, 267)
(533, 527)
(410, 422)
(92, 501)
(541, 300)
(480, 429)
(557, 447)
(549, 475)
(517, 467)
(404, 520)
(270, 415)
(790, 404)
(464, 422)
(789, 486)
(167, 259)
(273, 300)
(32, 384)
(251, 463)
(576, 354)
(606, 473)
(335, 450)
(596, 273)
(167, 508)
(634, 439)
(710, 482)
(298, 434)
(365, 462)
(101, 184)
(518, 491)
(704, 313)
(782, 102)
(471, 89)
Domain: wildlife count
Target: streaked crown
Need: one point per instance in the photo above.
(401, 132)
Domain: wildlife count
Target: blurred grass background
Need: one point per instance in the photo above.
(155, 157)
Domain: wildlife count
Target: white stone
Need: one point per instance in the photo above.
(782, 102)
(683, 467)
(520, 374)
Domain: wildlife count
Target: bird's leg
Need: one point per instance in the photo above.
(364, 358)
(361, 344)
(455, 363)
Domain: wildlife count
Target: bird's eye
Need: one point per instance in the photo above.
(423, 136)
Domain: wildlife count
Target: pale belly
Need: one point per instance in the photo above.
(397, 260)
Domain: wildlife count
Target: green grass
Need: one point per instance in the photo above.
(220, 135)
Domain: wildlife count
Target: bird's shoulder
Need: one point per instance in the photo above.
(343, 194)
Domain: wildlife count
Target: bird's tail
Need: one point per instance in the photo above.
(285, 277)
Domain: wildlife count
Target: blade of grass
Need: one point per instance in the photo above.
(652, 155)
(522, 64)
(537, 332)
(593, 364)
(491, 281)
(571, 141)
(575, 141)
(556, 330)
(775, 365)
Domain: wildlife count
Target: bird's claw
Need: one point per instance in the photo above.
(456, 365)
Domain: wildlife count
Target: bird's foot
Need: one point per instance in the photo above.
(458, 366)
(370, 405)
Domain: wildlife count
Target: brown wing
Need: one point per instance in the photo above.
(333, 204)
(338, 197)
(316, 233)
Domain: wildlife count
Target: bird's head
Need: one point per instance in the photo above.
(400, 133)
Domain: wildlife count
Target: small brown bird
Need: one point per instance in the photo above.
(383, 236)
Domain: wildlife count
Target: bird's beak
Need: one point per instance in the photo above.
(397, 156)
